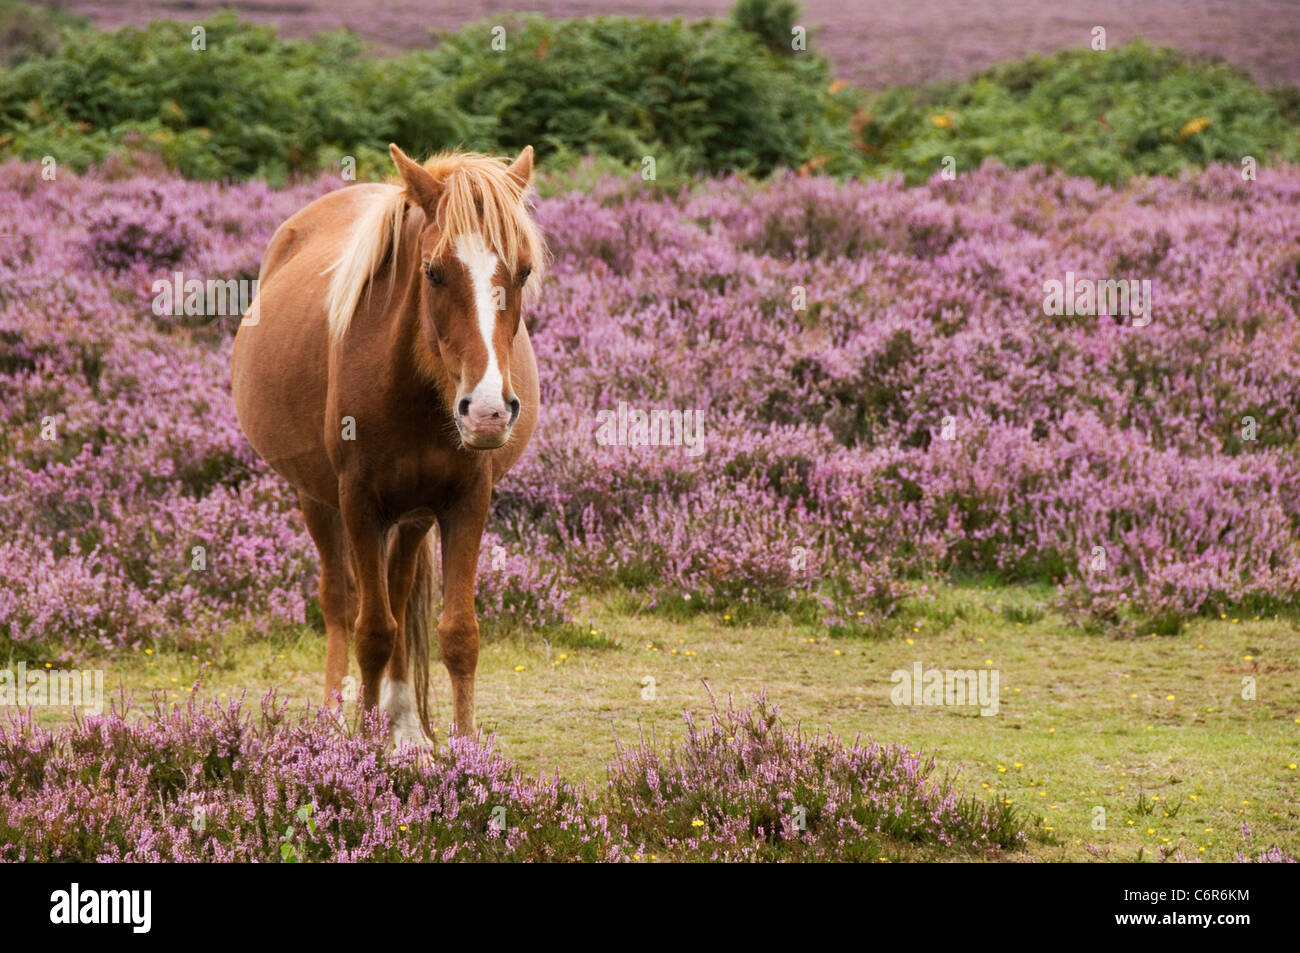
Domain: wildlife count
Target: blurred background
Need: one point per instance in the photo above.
(871, 42)
(844, 89)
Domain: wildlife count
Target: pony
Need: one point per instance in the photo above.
(384, 370)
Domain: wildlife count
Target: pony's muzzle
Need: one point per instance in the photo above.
(485, 422)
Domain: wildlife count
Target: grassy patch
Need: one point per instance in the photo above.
(1153, 731)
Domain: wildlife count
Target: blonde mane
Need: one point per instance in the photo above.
(478, 195)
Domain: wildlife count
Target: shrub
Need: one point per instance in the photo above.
(703, 96)
(27, 31)
(698, 96)
(1107, 115)
(772, 21)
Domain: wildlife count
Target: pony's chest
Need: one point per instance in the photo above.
(426, 480)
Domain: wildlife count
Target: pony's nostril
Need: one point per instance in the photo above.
(463, 407)
(515, 407)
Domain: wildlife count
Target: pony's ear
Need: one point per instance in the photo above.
(422, 187)
(522, 168)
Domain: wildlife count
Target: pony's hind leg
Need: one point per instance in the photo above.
(326, 528)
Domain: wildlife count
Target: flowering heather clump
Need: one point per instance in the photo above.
(825, 426)
(746, 788)
(515, 592)
(880, 394)
(212, 782)
(122, 233)
(1269, 855)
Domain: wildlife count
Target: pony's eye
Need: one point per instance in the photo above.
(435, 275)
(524, 272)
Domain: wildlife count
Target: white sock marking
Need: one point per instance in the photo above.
(398, 700)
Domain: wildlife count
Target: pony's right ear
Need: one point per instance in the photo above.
(422, 187)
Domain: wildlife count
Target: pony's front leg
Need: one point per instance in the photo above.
(462, 533)
(376, 629)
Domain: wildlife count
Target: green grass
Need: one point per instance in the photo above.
(1154, 730)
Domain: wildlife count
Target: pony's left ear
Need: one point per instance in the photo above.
(522, 168)
(422, 187)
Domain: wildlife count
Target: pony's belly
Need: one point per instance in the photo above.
(280, 407)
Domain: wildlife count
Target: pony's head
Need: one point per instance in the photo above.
(479, 249)
(479, 252)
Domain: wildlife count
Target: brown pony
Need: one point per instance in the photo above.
(384, 371)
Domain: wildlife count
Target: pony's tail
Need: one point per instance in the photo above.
(420, 617)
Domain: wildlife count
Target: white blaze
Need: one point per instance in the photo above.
(482, 266)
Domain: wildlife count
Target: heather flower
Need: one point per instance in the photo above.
(829, 477)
